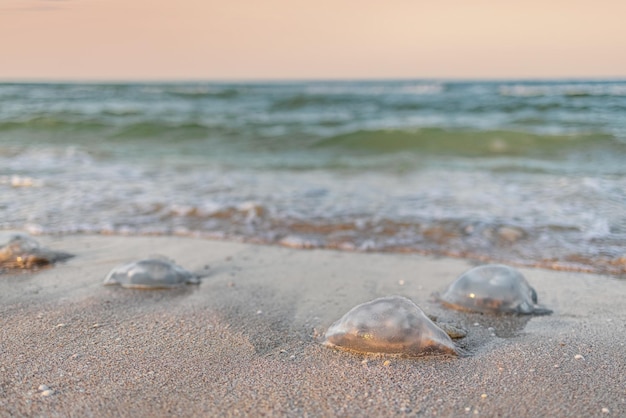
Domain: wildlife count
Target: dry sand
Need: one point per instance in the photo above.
(245, 341)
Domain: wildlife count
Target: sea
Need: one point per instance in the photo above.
(528, 173)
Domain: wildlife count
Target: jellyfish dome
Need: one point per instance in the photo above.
(391, 325)
(150, 273)
(492, 288)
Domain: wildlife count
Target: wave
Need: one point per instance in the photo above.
(373, 89)
(465, 142)
(103, 128)
(200, 92)
(154, 130)
(51, 124)
(249, 137)
(301, 101)
(541, 245)
(572, 90)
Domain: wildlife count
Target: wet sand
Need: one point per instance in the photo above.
(245, 342)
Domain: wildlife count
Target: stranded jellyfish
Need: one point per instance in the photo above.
(150, 273)
(23, 252)
(390, 325)
(492, 288)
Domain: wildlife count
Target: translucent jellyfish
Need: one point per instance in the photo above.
(390, 325)
(24, 252)
(150, 273)
(492, 288)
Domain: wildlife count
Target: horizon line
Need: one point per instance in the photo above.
(251, 80)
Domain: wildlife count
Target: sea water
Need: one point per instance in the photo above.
(522, 172)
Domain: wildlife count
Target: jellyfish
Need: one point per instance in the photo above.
(492, 288)
(151, 273)
(24, 252)
(391, 325)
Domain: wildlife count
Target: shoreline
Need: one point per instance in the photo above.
(602, 266)
(245, 341)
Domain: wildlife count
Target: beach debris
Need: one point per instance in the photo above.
(151, 273)
(391, 325)
(45, 390)
(492, 288)
(579, 357)
(293, 241)
(510, 234)
(24, 252)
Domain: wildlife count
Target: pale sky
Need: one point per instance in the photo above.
(310, 39)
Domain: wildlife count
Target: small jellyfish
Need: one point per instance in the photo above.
(390, 325)
(492, 288)
(150, 273)
(24, 252)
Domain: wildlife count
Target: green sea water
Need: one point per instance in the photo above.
(525, 172)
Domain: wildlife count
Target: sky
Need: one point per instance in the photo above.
(311, 39)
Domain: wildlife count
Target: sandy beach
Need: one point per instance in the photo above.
(245, 342)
